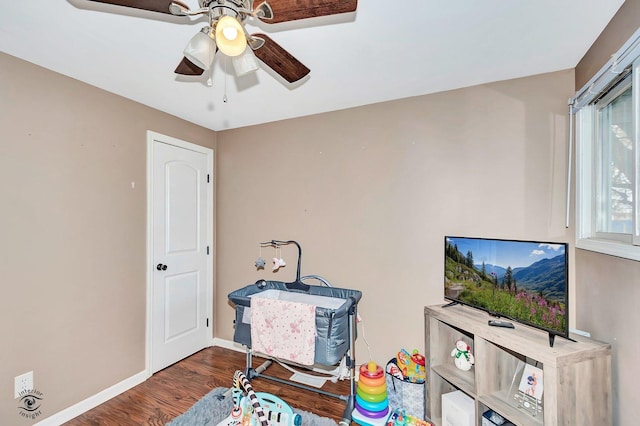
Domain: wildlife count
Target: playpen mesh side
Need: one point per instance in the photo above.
(332, 325)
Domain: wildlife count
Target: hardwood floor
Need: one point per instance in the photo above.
(171, 392)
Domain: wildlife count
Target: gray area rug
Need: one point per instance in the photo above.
(210, 411)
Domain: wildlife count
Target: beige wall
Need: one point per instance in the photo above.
(608, 307)
(370, 192)
(608, 286)
(621, 27)
(73, 234)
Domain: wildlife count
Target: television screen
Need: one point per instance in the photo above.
(525, 281)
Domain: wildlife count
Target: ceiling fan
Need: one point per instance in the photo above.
(226, 32)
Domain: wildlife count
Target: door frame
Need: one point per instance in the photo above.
(152, 138)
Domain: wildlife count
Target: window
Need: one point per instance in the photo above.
(608, 159)
(614, 162)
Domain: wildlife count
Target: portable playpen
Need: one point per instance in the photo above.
(335, 324)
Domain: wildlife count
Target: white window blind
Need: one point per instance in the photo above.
(608, 74)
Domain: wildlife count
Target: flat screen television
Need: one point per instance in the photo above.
(524, 281)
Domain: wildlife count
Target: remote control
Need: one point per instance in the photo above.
(504, 324)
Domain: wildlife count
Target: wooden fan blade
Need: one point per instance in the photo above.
(290, 10)
(186, 67)
(279, 60)
(161, 6)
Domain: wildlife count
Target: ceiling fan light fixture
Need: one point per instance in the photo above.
(230, 36)
(201, 49)
(245, 63)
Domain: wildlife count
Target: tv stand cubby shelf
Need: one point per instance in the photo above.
(576, 374)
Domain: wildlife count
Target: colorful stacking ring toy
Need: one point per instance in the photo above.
(371, 395)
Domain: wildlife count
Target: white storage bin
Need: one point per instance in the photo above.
(457, 409)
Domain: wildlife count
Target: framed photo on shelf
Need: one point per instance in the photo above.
(527, 388)
(532, 382)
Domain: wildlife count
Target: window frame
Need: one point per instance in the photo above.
(587, 180)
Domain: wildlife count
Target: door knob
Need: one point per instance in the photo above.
(161, 267)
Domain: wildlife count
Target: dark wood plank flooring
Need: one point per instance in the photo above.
(171, 392)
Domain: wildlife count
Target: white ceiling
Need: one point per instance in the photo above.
(388, 49)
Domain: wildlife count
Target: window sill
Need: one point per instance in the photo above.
(612, 248)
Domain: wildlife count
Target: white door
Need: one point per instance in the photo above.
(181, 276)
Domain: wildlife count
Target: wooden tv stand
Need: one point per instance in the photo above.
(576, 375)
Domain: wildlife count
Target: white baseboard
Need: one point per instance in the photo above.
(228, 344)
(101, 397)
(93, 401)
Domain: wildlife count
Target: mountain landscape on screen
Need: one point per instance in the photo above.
(521, 280)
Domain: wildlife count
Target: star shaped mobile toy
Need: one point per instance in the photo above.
(260, 263)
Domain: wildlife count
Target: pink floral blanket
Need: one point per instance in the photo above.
(283, 329)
